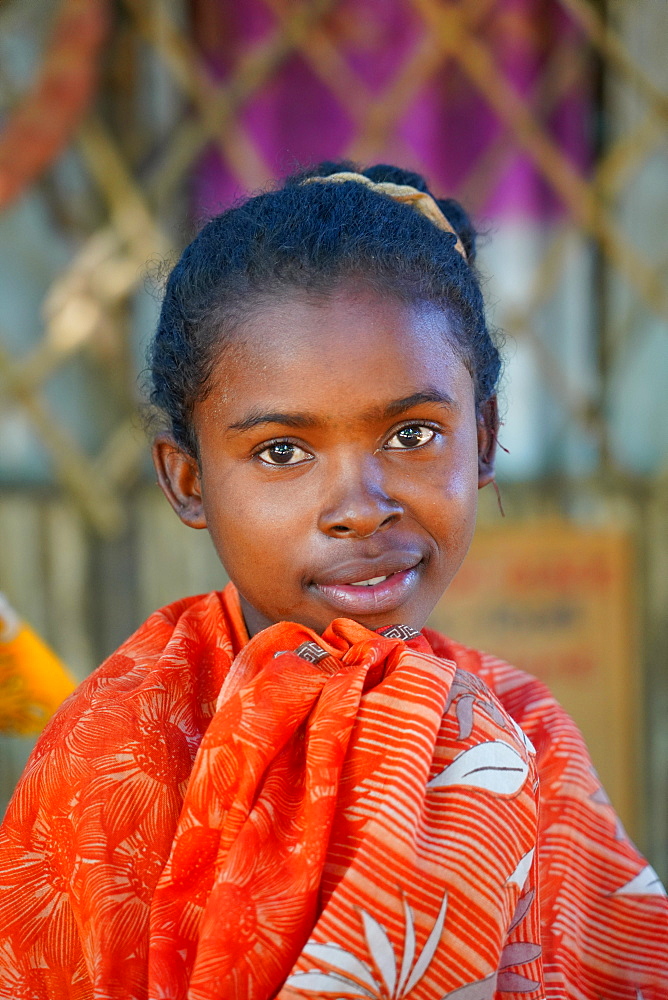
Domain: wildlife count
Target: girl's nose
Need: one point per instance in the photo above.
(358, 506)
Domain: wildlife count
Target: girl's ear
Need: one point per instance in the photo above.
(488, 428)
(179, 480)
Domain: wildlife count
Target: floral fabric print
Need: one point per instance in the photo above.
(352, 815)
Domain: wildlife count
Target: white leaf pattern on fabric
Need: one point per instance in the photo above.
(409, 948)
(344, 964)
(493, 766)
(528, 745)
(381, 950)
(645, 883)
(342, 960)
(519, 876)
(429, 949)
(327, 982)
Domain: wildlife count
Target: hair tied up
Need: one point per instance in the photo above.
(406, 194)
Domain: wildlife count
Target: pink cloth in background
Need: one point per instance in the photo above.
(295, 119)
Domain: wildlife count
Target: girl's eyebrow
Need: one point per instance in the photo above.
(425, 396)
(301, 420)
(256, 417)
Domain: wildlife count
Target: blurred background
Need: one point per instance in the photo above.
(125, 123)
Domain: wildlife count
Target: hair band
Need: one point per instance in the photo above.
(404, 193)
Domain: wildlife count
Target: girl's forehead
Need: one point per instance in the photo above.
(346, 353)
(336, 334)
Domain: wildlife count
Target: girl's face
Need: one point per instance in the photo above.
(340, 458)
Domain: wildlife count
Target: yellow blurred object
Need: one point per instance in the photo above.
(33, 681)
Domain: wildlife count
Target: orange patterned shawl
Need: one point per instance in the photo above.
(346, 816)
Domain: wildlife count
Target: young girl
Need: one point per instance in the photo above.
(290, 788)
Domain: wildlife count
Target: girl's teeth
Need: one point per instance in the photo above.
(369, 583)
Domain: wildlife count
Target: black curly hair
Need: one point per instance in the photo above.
(310, 239)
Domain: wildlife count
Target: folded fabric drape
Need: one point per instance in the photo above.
(353, 814)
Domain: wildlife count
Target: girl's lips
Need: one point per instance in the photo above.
(356, 600)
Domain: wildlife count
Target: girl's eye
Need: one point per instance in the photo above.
(283, 453)
(412, 436)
